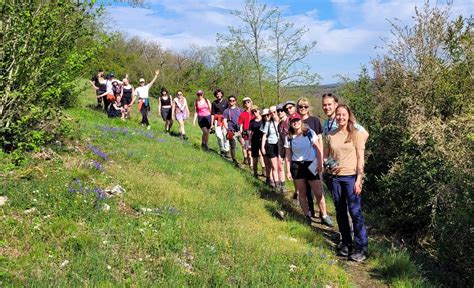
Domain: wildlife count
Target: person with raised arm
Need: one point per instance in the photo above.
(143, 98)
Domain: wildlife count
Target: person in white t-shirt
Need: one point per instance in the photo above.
(143, 99)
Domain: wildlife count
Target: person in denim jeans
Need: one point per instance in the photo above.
(346, 146)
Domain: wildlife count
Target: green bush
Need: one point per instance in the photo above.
(46, 45)
(419, 110)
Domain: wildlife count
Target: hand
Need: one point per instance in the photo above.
(96, 88)
(157, 72)
(335, 170)
(319, 169)
(264, 152)
(357, 187)
(288, 175)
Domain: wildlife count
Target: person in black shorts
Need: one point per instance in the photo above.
(165, 108)
(127, 95)
(283, 126)
(270, 145)
(314, 124)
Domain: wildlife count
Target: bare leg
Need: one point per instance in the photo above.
(318, 191)
(301, 187)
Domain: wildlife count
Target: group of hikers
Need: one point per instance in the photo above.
(284, 137)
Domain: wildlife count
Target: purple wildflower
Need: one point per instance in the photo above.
(97, 165)
(97, 152)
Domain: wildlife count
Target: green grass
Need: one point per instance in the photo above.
(216, 225)
(214, 228)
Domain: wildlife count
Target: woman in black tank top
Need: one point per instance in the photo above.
(165, 108)
(127, 97)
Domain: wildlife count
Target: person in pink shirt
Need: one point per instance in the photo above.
(202, 114)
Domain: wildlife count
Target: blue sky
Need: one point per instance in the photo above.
(347, 31)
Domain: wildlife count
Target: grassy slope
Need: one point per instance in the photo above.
(214, 227)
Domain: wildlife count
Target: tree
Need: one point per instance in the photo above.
(288, 54)
(256, 18)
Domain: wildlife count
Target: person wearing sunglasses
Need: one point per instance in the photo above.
(143, 99)
(231, 118)
(217, 110)
(270, 146)
(244, 122)
(314, 124)
(290, 108)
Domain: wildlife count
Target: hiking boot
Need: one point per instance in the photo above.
(359, 255)
(204, 147)
(343, 250)
(308, 220)
(236, 163)
(326, 220)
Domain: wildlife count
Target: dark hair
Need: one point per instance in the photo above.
(330, 95)
(232, 96)
(101, 70)
(217, 91)
(163, 89)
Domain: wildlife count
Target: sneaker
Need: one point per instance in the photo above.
(326, 220)
(308, 220)
(343, 250)
(148, 127)
(295, 195)
(359, 255)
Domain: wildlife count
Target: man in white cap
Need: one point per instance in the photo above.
(143, 98)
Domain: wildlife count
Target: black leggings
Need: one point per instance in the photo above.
(144, 112)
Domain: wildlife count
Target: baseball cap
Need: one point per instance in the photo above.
(111, 74)
(265, 111)
(295, 116)
(141, 80)
(246, 99)
(199, 92)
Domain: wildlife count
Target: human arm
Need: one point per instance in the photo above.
(264, 140)
(288, 156)
(317, 144)
(134, 96)
(360, 151)
(93, 85)
(157, 72)
(195, 114)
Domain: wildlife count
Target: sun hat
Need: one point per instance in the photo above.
(289, 102)
(141, 80)
(246, 99)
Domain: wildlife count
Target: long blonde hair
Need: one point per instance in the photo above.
(350, 123)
